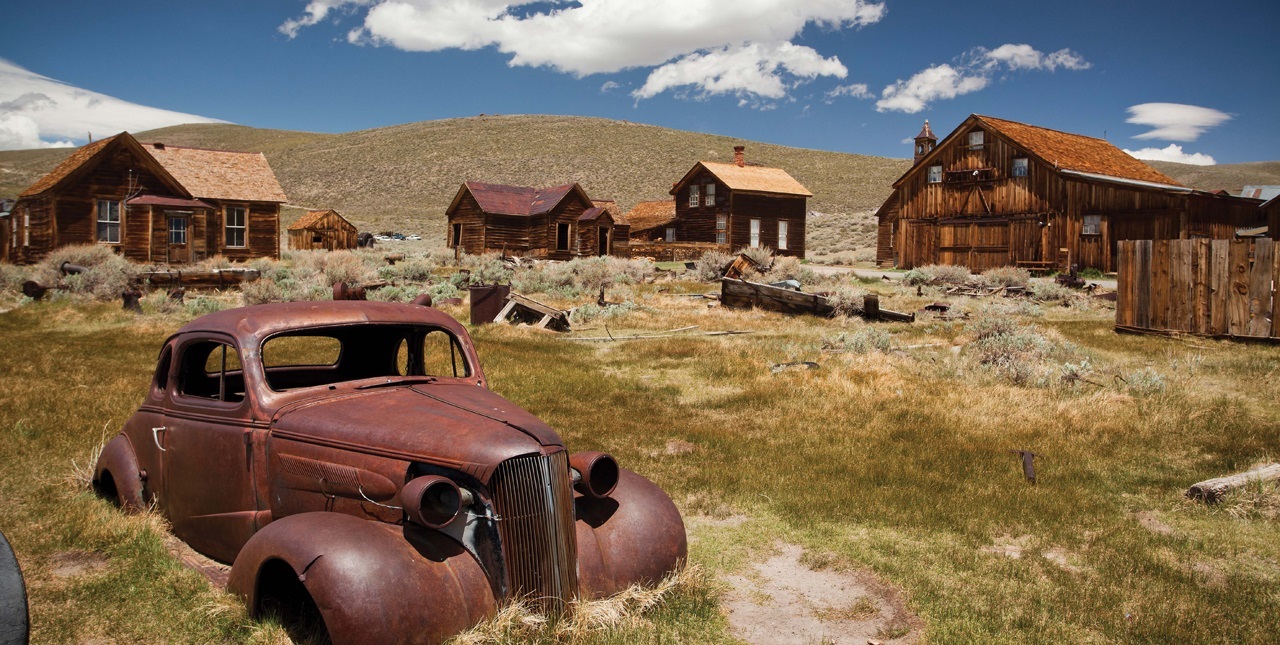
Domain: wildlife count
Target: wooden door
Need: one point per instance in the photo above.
(604, 240)
(979, 244)
(179, 242)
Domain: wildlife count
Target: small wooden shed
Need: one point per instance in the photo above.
(322, 230)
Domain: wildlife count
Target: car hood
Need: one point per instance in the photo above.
(466, 427)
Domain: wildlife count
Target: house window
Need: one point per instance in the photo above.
(178, 230)
(108, 221)
(1092, 225)
(562, 236)
(671, 234)
(782, 235)
(976, 139)
(755, 233)
(1020, 167)
(457, 235)
(26, 229)
(693, 196)
(711, 195)
(236, 224)
(721, 238)
(935, 174)
(722, 222)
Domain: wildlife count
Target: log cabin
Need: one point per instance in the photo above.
(999, 193)
(557, 223)
(322, 230)
(152, 203)
(740, 204)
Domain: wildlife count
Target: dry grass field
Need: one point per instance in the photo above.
(891, 459)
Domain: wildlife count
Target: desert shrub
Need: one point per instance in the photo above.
(443, 290)
(847, 300)
(201, 306)
(1074, 373)
(591, 311)
(393, 294)
(1091, 273)
(1049, 291)
(916, 277)
(584, 275)
(1145, 382)
(762, 255)
(538, 280)
(1006, 277)
(864, 255)
(213, 262)
(487, 269)
(344, 266)
(1021, 354)
(863, 341)
(937, 274)
(158, 302)
(12, 277)
(261, 292)
(415, 270)
(712, 265)
(106, 276)
(790, 268)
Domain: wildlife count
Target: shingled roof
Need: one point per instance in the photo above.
(647, 215)
(1076, 152)
(312, 218)
(501, 199)
(68, 165)
(220, 174)
(759, 179)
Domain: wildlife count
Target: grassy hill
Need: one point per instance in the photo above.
(403, 177)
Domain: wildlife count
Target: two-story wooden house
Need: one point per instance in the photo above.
(997, 193)
(740, 204)
(152, 203)
(557, 223)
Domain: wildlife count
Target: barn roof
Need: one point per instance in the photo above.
(610, 207)
(501, 199)
(646, 215)
(1077, 152)
(68, 165)
(759, 179)
(220, 174)
(311, 218)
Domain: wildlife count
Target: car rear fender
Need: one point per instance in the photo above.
(371, 581)
(634, 536)
(116, 475)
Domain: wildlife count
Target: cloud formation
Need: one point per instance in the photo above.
(711, 46)
(39, 112)
(1172, 152)
(1175, 121)
(971, 72)
(855, 90)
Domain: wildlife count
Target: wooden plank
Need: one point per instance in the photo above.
(1218, 286)
(1200, 289)
(1142, 312)
(1160, 294)
(1238, 288)
(1260, 289)
(1179, 314)
(1124, 284)
(1275, 286)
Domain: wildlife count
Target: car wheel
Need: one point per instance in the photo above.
(14, 619)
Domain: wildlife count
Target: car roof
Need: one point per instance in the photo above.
(260, 321)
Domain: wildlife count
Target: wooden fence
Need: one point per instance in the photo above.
(674, 251)
(1223, 288)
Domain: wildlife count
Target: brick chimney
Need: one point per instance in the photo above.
(738, 159)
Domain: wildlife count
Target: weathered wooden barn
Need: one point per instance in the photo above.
(152, 203)
(558, 223)
(996, 193)
(740, 204)
(322, 230)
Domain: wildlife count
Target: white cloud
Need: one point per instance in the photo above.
(39, 112)
(1172, 152)
(1175, 121)
(972, 72)
(689, 42)
(609, 86)
(856, 90)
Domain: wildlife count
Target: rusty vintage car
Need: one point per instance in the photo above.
(350, 461)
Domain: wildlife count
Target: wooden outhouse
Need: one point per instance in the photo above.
(558, 223)
(322, 230)
(996, 193)
(152, 203)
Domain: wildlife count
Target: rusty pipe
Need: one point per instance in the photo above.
(597, 473)
(433, 501)
(67, 268)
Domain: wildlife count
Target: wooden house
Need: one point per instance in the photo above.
(322, 230)
(653, 221)
(1270, 213)
(152, 203)
(558, 223)
(740, 204)
(996, 193)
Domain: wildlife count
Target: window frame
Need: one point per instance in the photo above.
(784, 231)
(175, 216)
(933, 174)
(981, 139)
(693, 196)
(669, 235)
(1084, 226)
(1025, 165)
(177, 386)
(755, 232)
(118, 223)
(710, 198)
(227, 227)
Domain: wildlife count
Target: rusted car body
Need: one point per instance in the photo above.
(349, 457)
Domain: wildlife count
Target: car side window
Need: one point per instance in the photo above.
(441, 356)
(161, 380)
(211, 370)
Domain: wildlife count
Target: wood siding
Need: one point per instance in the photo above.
(698, 224)
(331, 232)
(531, 235)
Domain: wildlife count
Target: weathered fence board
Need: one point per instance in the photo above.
(1206, 287)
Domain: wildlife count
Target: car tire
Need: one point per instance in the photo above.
(14, 620)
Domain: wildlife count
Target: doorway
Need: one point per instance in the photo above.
(604, 241)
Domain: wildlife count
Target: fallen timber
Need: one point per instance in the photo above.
(216, 278)
(1212, 490)
(741, 294)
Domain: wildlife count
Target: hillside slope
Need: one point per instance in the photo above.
(403, 177)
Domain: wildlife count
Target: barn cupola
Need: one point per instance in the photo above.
(925, 141)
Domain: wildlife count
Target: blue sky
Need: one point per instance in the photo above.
(1195, 75)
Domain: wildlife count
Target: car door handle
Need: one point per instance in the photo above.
(155, 436)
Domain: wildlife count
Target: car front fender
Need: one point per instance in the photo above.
(635, 536)
(371, 581)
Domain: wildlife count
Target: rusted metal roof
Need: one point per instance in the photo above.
(927, 132)
(647, 215)
(610, 207)
(759, 179)
(1077, 152)
(220, 174)
(156, 200)
(591, 213)
(518, 200)
(68, 165)
(312, 218)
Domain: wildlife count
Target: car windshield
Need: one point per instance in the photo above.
(326, 356)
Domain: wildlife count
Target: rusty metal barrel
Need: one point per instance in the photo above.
(487, 301)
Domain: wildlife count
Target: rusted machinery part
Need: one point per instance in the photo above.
(341, 291)
(67, 268)
(597, 473)
(132, 300)
(393, 258)
(116, 476)
(15, 621)
(177, 295)
(370, 581)
(34, 290)
(423, 300)
(633, 536)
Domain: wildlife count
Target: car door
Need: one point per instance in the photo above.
(209, 481)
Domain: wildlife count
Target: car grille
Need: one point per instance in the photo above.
(535, 505)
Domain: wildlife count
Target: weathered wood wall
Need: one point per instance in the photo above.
(674, 251)
(1205, 287)
(332, 232)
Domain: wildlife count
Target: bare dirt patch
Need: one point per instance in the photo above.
(74, 563)
(781, 601)
(1149, 521)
